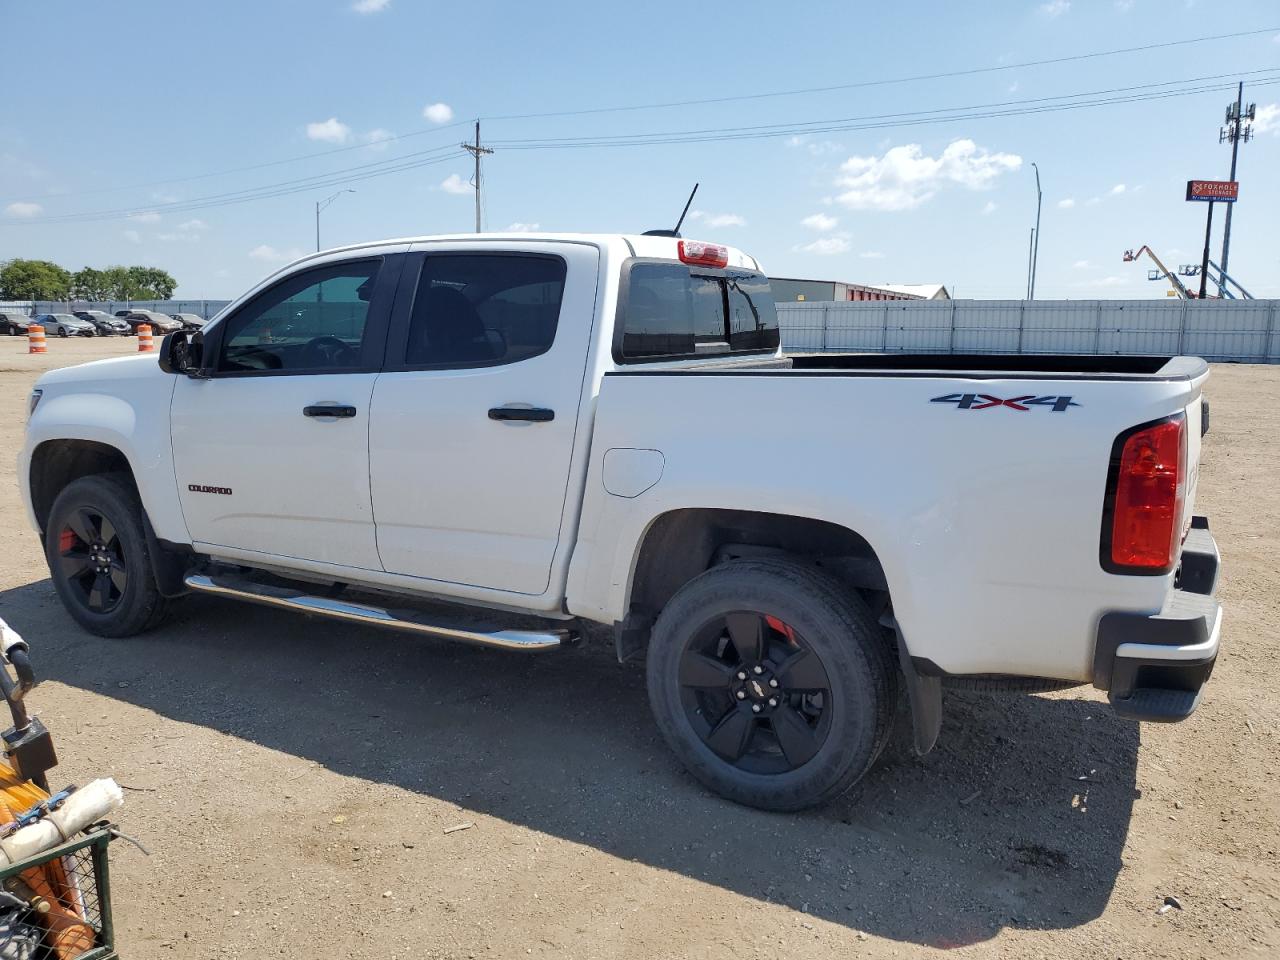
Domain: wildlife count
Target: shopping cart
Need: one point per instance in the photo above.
(55, 905)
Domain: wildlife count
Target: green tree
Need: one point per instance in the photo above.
(90, 284)
(34, 280)
(155, 283)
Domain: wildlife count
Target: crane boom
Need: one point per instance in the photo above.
(1131, 255)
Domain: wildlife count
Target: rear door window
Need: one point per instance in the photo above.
(671, 311)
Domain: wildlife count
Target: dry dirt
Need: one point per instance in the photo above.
(296, 782)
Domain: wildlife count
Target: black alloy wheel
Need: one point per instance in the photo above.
(756, 693)
(92, 559)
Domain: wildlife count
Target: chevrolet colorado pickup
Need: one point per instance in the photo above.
(554, 434)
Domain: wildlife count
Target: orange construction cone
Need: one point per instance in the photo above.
(35, 338)
(144, 338)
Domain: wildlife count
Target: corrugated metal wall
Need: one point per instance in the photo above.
(1246, 330)
(203, 308)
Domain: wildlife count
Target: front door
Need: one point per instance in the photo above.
(272, 451)
(474, 418)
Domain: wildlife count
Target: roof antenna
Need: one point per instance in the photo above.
(683, 214)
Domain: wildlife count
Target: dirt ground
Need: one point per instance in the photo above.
(297, 781)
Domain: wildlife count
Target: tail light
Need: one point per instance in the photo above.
(703, 254)
(1142, 517)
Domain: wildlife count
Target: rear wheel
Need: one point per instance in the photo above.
(62, 331)
(772, 683)
(98, 558)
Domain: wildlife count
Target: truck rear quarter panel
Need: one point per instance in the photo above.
(986, 519)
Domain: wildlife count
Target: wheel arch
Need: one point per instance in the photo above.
(58, 462)
(679, 544)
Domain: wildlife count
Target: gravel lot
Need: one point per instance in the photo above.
(296, 782)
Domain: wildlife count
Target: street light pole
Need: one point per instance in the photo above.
(323, 204)
(1035, 251)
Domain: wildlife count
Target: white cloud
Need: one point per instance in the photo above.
(1124, 6)
(717, 219)
(519, 227)
(871, 255)
(438, 112)
(162, 196)
(149, 216)
(23, 208)
(1268, 118)
(131, 235)
(989, 208)
(794, 140)
(1066, 203)
(455, 184)
(1118, 189)
(332, 130)
(190, 225)
(1092, 202)
(825, 246)
(379, 139)
(1082, 265)
(1013, 87)
(820, 222)
(370, 6)
(904, 178)
(179, 237)
(1055, 8)
(269, 254)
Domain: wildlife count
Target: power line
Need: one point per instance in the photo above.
(973, 71)
(285, 188)
(889, 120)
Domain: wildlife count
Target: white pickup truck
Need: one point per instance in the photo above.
(577, 430)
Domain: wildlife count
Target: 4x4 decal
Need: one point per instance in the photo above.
(984, 401)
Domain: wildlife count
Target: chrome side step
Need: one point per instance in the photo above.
(411, 621)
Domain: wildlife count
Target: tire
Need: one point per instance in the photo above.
(12, 331)
(804, 613)
(62, 331)
(128, 601)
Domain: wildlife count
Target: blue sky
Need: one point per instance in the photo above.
(142, 110)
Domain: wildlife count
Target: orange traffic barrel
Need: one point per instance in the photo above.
(144, 338)
(35, 338)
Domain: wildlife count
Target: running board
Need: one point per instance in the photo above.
(407, 620)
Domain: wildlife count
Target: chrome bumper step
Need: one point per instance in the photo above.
(412, 621)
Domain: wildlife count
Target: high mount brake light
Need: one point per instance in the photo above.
(703, 254)
(1146, 489)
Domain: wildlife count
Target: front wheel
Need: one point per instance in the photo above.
(772, 683)
(98, 558)
(62, 331)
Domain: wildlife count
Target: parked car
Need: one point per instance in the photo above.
(104, 323)
(66, 325)
(189, 321)
(600, 432)
(14, 324)
(160, 323)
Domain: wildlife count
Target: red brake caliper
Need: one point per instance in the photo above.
(782, 628)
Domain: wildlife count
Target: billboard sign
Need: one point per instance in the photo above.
(1225, 191)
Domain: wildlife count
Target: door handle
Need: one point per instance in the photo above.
(335, 410)
(531, 414)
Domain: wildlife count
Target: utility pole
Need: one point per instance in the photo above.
(1031, 241)
(477, 151)
(323, 204)
(1236, 115)
(1204, 263)
(1035, 251)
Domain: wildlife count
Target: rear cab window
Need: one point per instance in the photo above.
(673, 311)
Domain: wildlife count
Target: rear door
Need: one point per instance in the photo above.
(474, 418)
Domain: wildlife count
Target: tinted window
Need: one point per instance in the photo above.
(673, 312)
(315, 320)
(484, 309)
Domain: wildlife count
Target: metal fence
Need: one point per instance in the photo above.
(1242, 330)
(203, 308)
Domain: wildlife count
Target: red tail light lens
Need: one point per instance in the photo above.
(703, 254)
(1143, 522)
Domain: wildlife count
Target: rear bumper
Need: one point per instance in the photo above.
(1155, 666)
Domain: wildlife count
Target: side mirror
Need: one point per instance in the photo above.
(182, 352)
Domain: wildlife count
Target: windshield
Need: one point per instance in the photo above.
(66, 318)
